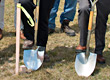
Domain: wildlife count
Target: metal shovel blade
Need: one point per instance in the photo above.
(33, 59)
(85, 67)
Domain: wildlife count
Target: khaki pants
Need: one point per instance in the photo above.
(2, 6)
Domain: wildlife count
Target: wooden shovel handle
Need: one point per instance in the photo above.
(36, 22)
(18, 22)
(90, 20)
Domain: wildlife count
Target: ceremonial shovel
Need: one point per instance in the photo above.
(86, 61)
(33, 59)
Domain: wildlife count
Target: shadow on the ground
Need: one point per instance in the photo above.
(9, 52)
(99, 66)
(9, 34)
(59, 55)
(65, 55)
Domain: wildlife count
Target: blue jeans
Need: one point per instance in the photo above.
(68, 14)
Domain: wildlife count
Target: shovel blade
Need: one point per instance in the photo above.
(85, 67)
(31, 59)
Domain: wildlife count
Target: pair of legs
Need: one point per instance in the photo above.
(2, 6)
(42, 36)
(83, 18)
(66, 16)
(44, 11)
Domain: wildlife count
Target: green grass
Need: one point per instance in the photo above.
(60, 47)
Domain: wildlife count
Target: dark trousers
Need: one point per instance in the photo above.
(103, 9)
(44, 11)
(83, 18)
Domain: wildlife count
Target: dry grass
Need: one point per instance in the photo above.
(60, 47)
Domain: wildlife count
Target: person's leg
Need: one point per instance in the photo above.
(28, 30)
(69, 10)
(101, 20)
(45, 7)
(83, 18)
(53, 15)
(1, 18)
(67, 16)
(44, 11)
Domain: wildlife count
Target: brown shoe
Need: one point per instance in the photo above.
(28, 44)
(1, 34)
(100, 59)
(80, 49)
(65, 28)
(22, 35)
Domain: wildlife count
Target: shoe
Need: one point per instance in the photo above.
(50, 31)
(22, 35)
(100, 59)
(28, 44)
(80, 49)
(65, 28)
(1, 34)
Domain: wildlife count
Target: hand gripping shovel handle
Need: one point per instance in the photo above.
(18, 22)
(90, 27)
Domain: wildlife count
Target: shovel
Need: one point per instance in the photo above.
(33, 59)
(86, 61)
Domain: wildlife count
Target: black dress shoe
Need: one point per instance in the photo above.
(65, 28)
